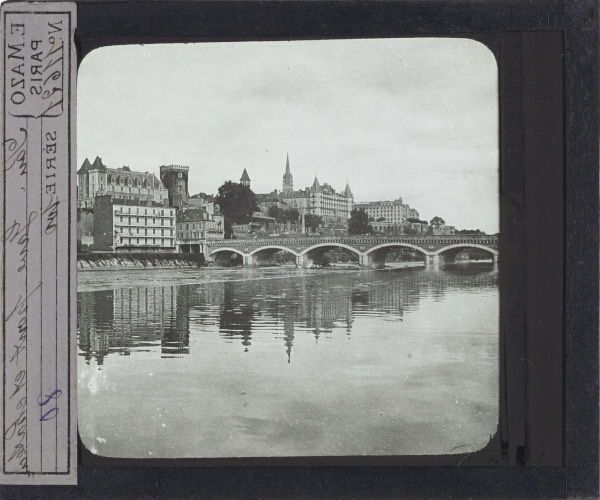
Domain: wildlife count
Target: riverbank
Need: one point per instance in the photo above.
(108, 262)
(113, 261)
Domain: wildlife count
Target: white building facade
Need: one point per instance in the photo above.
(124, 225)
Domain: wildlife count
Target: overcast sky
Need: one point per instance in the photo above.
(410, 118)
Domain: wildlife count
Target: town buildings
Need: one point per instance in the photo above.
(268, 200)
(121, 210)
(320, 200)
(96, 179)
(196, 226)
(132, 225)
(391, 212)
(395, 217)
(391, 217)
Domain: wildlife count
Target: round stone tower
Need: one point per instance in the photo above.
(175, 179)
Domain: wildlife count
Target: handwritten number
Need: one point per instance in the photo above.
(49, 415)
(52, 412)
(55, 395)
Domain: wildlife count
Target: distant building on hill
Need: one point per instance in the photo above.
(96, 179)
(320, 200)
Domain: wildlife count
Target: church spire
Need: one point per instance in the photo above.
(347, 192)
(288, 180)
(316, 187)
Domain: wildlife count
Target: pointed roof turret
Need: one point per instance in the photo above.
(85, 167)
(347, 192)
(245, 177)
(316, 186)
(98, 165)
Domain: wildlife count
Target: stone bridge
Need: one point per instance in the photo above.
(371, 250)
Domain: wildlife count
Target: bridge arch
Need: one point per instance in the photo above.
(315, 253)
(467, 245)
(227, 256)
(276, 248)
(329, 245)
(449, 252)
(396, 245)
(375, 257)
(227, 249)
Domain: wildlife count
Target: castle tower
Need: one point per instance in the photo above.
(175, 179)
(288, 180)
(245, 179)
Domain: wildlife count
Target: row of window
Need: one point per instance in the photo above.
(157, 212)
(193, 224)
(166, 242)
(162, 231)
(192, 235)
(161, 222)
(148, 183)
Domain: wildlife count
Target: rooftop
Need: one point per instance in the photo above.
(176, 168)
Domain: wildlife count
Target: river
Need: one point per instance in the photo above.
(273, 362)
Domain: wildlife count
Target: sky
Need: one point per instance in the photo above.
(410, 118)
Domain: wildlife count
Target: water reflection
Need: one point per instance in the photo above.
(158, 319)
(288, 362)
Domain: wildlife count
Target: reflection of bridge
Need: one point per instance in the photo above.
(370, 250)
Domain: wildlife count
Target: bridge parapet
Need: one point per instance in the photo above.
(491, 240)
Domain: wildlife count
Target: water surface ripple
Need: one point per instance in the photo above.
(287, 362)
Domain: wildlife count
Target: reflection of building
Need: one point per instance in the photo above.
(248, 312)
(235, 318)
(133, 319)
(143, 316)
(98, 180)
(127, 225)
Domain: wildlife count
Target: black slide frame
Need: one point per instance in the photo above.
(547, 53)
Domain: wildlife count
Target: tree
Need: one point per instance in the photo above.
(380, 219)
(291, 214)
(275, 212)
(359, 223)
(437, 221)
(469, 231)
(312, 221)
(237, 202)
